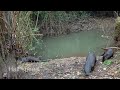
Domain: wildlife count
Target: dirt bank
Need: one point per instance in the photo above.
(69, 68)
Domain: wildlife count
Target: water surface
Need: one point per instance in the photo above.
(74, 44)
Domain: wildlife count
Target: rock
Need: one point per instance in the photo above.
(78, 73)
(104, 68)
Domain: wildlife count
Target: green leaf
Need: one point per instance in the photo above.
(107, 62)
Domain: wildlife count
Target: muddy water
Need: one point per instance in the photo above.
(75, 44)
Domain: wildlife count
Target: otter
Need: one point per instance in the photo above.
(108, 54)
(90, 63)
(30, 59)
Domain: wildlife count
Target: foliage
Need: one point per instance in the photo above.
(56, 22)
(107, 62)
(117, 27)
(26, 31)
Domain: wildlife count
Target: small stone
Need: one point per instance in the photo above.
(55, 77)
(116, 72)
(78, 73)
(104, 68)
(73, 77)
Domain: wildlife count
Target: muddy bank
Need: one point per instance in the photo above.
(69, 68)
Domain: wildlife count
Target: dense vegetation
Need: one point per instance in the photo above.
(54, 23)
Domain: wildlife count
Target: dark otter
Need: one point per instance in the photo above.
(30, 59)
(108, 54)
(90, 63)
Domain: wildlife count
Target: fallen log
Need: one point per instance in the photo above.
(117, 48)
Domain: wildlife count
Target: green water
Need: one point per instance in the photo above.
(74, 44)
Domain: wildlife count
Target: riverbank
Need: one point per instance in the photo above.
(69, 68)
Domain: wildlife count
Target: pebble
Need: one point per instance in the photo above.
(73, 77)
(116, 72)
(104, 68)
(78, 73)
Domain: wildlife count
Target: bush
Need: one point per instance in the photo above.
(56, 22)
